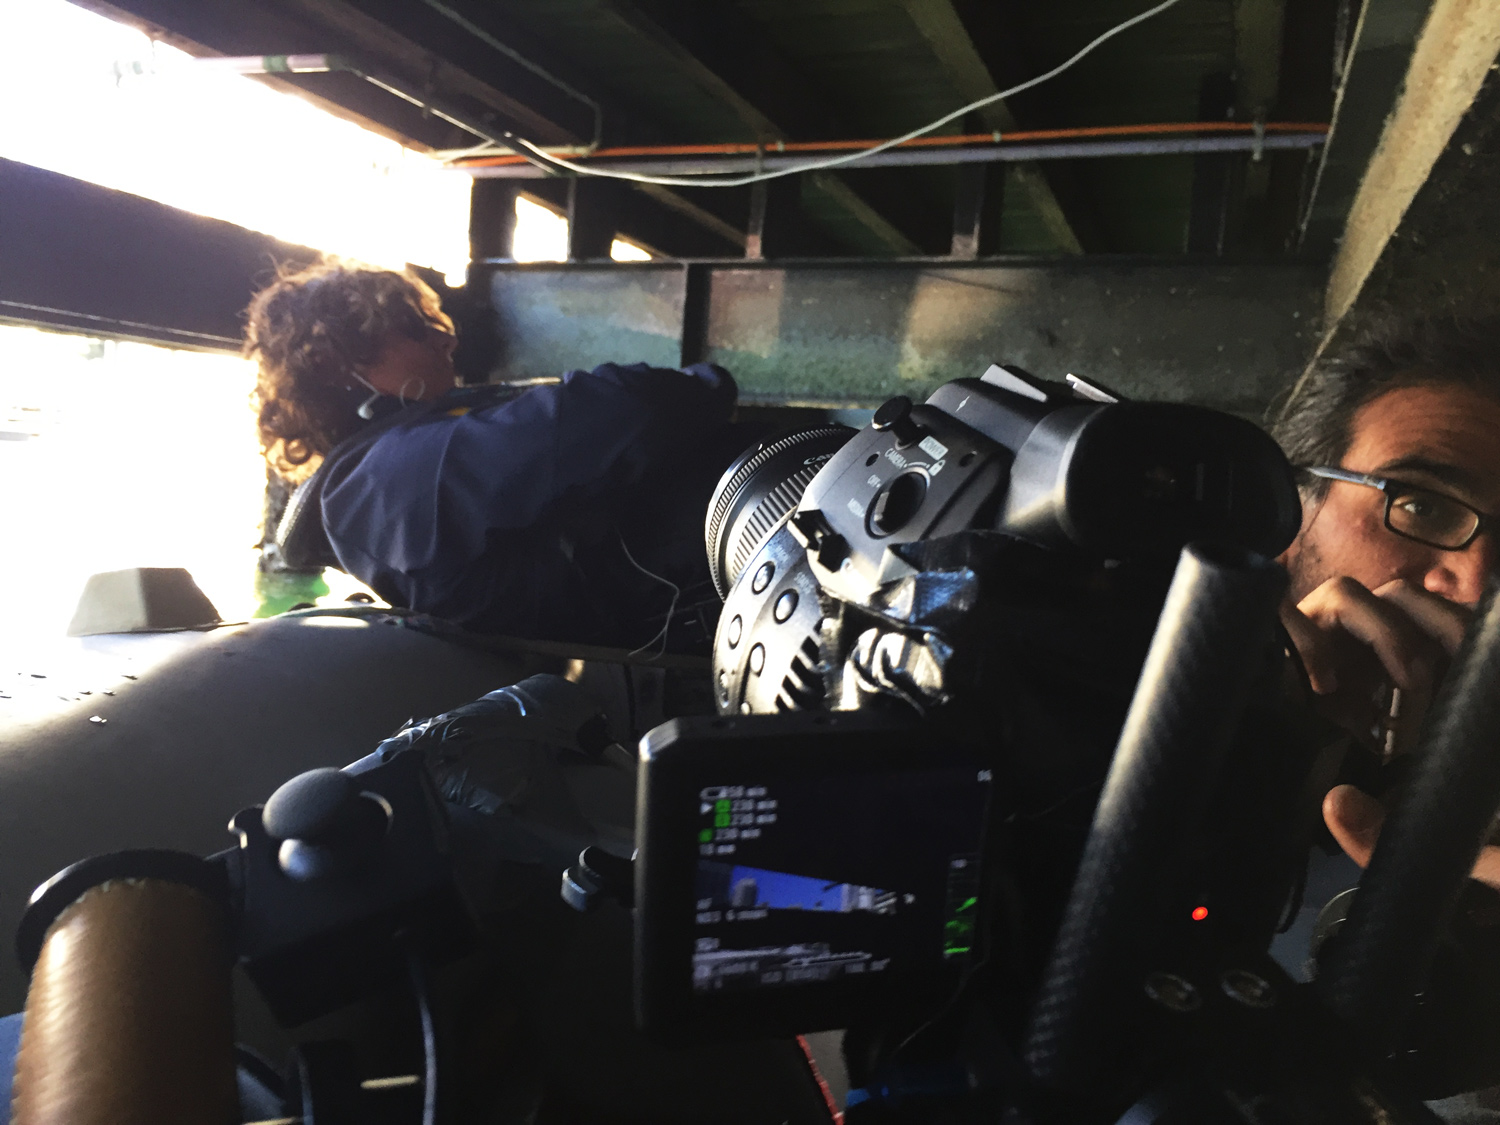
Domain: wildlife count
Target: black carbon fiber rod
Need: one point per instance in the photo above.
(1427, 846)
(1212, 639)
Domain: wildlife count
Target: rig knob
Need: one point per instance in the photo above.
(895, 415)
(326, 825)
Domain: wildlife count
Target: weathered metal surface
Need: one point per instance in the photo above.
(553, 319)
(1228, 336)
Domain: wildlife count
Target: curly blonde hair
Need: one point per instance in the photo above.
(310, 331)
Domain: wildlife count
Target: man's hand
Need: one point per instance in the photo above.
(1357, 645)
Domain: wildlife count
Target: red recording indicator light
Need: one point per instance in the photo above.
(1200, 913)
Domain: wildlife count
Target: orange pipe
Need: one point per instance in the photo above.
(742, 149)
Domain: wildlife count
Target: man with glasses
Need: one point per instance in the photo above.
(1398, 442)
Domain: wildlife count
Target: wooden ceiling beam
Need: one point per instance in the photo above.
(941, 28)
(1258, 29)
(876, 231)
(372, 40)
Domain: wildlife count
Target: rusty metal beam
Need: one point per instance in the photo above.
(854, 332)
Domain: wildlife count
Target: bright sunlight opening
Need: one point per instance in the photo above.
(100, 101)
(115, 455)
(542, 236)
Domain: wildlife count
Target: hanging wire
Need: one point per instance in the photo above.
(542, 156)
(417, 971)
(661, 634)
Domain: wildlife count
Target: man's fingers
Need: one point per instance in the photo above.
(1354, 817)
(1439, 618)
(1315, 649)
(1405, 652)
(1487, 866)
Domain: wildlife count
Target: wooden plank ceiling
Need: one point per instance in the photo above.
(703, 71)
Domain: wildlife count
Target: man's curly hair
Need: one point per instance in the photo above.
(309, 331)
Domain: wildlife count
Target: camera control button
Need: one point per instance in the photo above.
(758, 659)
(736, 627)
(786, 605)
(897, 503)
(763, 577)
(895, 415)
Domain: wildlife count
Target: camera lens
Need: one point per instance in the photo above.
(757, 491)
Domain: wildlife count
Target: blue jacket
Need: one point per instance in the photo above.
(510, 518)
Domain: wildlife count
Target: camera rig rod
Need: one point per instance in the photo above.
(1210, 642)
(1427, 847)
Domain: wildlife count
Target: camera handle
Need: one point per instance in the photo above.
(1212, 637)
(1383, 953)
(128, 1019)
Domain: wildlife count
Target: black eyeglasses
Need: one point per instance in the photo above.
(1418, 513)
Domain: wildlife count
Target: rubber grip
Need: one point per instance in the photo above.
(1213, 637)
(1427, 846)
(128, 1019)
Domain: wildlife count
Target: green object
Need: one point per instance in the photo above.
(721, 806)
(721, 820)
(962, 909)
(280, 591)
(706, 836)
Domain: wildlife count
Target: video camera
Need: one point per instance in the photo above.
(930, 634)
(1015, 774)
(1012, 776)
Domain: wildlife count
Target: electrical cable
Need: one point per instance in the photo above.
(541, 155)
(484, 156)
(418, 974)
(661, 634)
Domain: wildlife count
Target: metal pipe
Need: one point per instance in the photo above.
(324, 63)
(479, 129)
(905, 158)
(1427, 846)
(945, 140)
(272, 64)
(1215, 632)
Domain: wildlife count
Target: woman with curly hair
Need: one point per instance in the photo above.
(326, 339)
(570, 511)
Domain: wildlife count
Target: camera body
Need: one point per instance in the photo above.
(964, 591)
(1063, 467)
